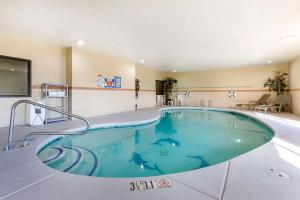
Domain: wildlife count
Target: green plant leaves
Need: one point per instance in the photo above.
(277, 83)
(168, 87)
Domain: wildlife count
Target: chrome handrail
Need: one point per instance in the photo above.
(12, 123)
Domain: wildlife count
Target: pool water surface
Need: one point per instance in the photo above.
(182, 140)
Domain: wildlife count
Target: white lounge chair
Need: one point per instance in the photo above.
(160, 100)
(282, 101)
(252, 104)
(179, 100)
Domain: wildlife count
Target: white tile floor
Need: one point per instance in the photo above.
(23, 176)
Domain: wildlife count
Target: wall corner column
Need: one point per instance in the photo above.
(69, 75)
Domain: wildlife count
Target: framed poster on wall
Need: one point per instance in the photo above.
(100, 81)
(109, 82)
(118, 82)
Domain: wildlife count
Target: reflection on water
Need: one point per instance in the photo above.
(166, 123)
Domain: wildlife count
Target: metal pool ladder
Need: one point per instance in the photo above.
(12, 123)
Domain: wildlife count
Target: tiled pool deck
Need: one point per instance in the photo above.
(249, 176)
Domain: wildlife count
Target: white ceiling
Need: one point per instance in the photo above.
(167, 34)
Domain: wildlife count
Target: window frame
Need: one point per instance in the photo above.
(29, 73)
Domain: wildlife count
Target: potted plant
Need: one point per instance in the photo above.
(168, 87)
(277, 83)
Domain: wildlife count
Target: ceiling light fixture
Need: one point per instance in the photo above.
(80, 42)
(174, 71)
(142, 61)
(269, 61)
(286, 38)
(12, 69)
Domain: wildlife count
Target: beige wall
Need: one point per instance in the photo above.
(87, 99)
(215, 84)
(252, 77)
(86, 65)
(161, 75)
(48, 60)
(48, 65)
(294, 84)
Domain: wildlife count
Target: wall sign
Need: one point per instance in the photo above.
(108, 82)
(150, 185)
(118, 82)
(100, 81)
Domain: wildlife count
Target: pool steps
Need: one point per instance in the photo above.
(77, 159)
(60, 152)
(76, 165)
(94, 157)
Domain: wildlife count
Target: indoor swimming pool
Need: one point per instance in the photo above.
(181, 140)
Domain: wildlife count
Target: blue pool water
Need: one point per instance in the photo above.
(181, 140)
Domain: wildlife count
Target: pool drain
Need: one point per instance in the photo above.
(163, 153)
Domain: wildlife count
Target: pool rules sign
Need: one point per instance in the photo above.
(150, 185)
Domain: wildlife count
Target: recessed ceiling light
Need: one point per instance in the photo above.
(174, 71)
(269, 61)
(80, 42)
(142, 61)
(286, 38)
(12, 69)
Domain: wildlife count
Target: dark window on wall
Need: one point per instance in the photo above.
(15, 77)
(159, 85)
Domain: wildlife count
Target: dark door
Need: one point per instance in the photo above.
(159, 85)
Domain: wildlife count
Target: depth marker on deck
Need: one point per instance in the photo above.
(150, 185)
